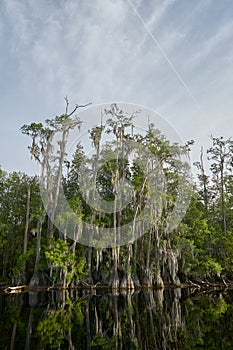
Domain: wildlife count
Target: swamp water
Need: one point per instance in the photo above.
(147, 319)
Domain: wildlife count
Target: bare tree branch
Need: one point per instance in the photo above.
(79, 106)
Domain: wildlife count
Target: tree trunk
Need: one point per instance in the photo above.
(223, 203)
(29, 330)
(114, 280)
(58, 182)
(136, 279)
(87, 317)
(127, 282)
(204, 181)
(147, 282)
(27, 220)
(13, 335)
(89, 266)
(25, 243)
(35, 278)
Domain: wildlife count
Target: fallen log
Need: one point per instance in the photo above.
(17, 289)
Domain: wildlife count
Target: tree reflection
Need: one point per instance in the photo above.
(146, 319)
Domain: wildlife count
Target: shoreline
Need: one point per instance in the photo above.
(204, 286)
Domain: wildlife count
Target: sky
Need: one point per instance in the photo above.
(172, 56)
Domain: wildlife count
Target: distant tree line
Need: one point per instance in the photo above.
(34, 252)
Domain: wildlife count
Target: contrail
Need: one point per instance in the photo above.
(162, 52)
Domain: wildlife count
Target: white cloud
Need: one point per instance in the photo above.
(100, 51)
(212, 44)
(160, 10)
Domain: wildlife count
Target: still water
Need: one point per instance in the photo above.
(158, 319)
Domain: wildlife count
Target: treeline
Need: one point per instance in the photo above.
(41, 240)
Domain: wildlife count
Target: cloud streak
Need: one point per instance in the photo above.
(170, 63)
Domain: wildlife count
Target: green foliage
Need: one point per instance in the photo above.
(23, 259)
(13, 201)
(56, 325)
(201, 245)
(205, 313)
(195, 241)
(103, 342)
(52, 329)
(59, 255)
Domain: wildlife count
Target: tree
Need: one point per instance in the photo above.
(221, 155)
(16, 247)
(108, 172)
(204, 181)
(41, 150)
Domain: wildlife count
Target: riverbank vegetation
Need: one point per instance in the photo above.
(35, 252)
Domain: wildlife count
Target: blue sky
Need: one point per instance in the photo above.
(174, 56)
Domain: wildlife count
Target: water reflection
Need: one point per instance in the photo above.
(159, 319)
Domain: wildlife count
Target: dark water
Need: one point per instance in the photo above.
(169, 319)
